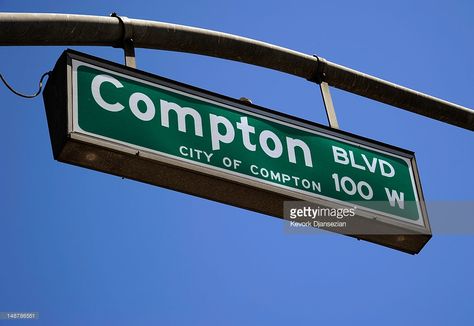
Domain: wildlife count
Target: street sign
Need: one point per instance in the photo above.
(122, 121)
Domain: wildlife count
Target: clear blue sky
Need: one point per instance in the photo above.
(85, 248)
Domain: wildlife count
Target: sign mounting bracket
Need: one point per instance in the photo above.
(129, 53)
(329, 105)
(319, 77)
(126, 41)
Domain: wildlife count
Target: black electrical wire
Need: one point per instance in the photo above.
(23, 95)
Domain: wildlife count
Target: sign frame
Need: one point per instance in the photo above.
(74, 147)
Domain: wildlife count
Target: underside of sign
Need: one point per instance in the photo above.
(132, 124)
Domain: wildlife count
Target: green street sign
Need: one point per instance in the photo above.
(122, 121)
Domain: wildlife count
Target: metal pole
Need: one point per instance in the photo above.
(63, 29)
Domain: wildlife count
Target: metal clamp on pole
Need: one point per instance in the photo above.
(127, 40)
(319, 78)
